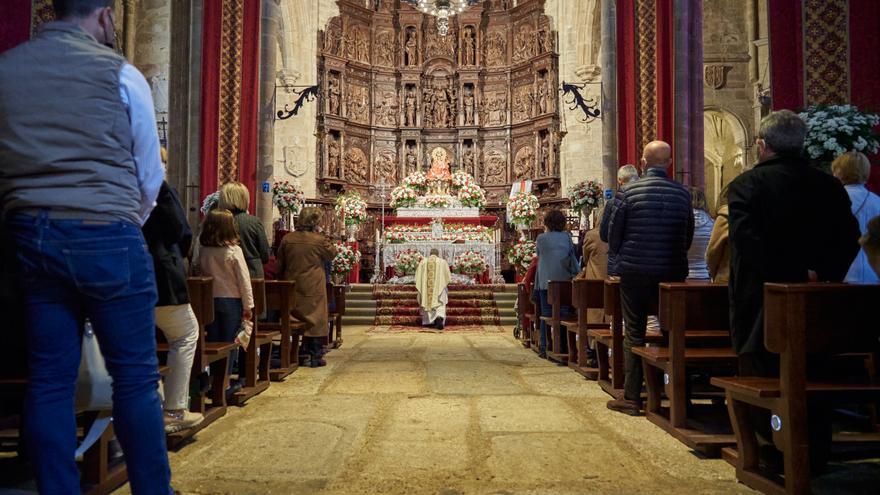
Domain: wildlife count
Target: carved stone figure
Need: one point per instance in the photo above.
(468, 160)
(333, 156)
(545, 155)
(522, 104)
(438, 45)
(496, 49)
(358, 104)
(439, 175)
(411, 48)
(333, 39)
(334, 94)
(523, 165)
(495, 106)
(385, 166)
(495, 167)
(428, 108)
(548, 40)
(524, 42)
(386, 109)
(410, 102)
(441, 108)
(468, 106)
(363, 46)
(356, 166)
(543, 96)
(412, 163)
(385, 49)
(469, 47)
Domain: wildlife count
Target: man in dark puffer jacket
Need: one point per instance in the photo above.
(651, 228)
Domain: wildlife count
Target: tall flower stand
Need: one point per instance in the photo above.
(354, 276)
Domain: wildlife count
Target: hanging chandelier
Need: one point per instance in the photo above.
(442, 10)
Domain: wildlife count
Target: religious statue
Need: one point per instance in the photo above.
(469, 107)
(441, 108)
(548, 40)
(545, 155)
(495, 167)
(333, 157)
(542, 96)
(523, 166)
(333, 39)
(438, 175)
(386, 110)
(385, 165)
(428, 108)
(496, 107)
(411, 160)
(358, 106)
(334, 94)
(523, 43)
(411, 48)
(363, 46)
(496, 49)
(356, 166)
(469, 50)
(385, 49)
(467, 161)
(410, 102)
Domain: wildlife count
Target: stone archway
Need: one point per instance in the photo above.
(725, 139)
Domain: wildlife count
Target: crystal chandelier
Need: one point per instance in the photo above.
(442, 10)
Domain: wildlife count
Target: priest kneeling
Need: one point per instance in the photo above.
(432, 277)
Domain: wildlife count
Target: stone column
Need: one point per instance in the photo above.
(688, 92)
(608, 63)
(270, 26)
(128, 28)
(184, 81)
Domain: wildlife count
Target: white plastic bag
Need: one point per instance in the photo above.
(94, 387)
(244, 334)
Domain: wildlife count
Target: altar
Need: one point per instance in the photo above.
(440, 210)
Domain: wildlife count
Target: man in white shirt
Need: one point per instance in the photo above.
(79, 173)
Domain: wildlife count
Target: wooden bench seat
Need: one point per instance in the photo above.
(258, 356)
(696, 318)
(336, 296)
(800, 320)
(558, 295)
(525, 313)
(587, 298)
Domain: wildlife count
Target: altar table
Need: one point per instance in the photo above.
(448, 251)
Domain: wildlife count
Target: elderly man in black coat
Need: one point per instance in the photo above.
(651, 226)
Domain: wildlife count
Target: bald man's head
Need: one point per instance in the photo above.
(657, 154)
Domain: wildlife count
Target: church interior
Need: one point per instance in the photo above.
(434, 141)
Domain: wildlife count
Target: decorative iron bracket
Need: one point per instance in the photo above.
(589, 106)
(303, 93)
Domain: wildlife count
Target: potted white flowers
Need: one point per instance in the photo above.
(352, 210)
(289, 199)
(835, 129)
(522, 210)
(344, 262)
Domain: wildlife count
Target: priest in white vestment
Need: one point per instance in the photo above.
(432, 277)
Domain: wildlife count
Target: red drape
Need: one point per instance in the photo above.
(786, 53)
(214, 58)
(15, 23)
(665, 77)
(627, 147)
(864, 68)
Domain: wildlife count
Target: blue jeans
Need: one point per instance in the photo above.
(547, 310)
(71, 270)
(224, 328)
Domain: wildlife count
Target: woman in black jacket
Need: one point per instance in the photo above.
(168, 236)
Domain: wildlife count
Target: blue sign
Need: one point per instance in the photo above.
(265, 187)
(609, 193)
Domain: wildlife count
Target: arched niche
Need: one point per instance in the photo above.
(725, 139)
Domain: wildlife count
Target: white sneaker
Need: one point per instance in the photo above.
(182, 420)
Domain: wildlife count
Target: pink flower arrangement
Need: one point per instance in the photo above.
(407, 262)
(403, 196)
(460, 179)
(523, 208)
(436, 202)
(345, 260)
(289, 198)
(351, 208)
(521, 255)
(417, 181)
(585, 195)
(472, 195)
(469, 263)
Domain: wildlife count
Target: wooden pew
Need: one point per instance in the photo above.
(525, 312)
(586, 295)
(259, 351)
(696, 317)
(558, 295)
(279, 298)
(820, 320)
(213, 356)
(335, 293)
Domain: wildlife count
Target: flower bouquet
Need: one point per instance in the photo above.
(835, 129)
(585, 195)
(436, 202)
(345, 260)
(289, 198)
(407, 262)
(403, 196)
(210, 202)
(471, 194)
(417, 181)
(469, 263)
(521, 255)
(523, 208)
(351, 208)
(395, 237)
(460, 179)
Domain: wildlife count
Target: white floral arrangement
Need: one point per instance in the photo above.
(469, 263)
(436, 202)
(210, 202)
(289, 198)
(398, 234)
(521, 255)
(345, 260)
(395, 237)
(351, 208)
(523, 208)
(835, 129)
(586, 195)
(472, 195)
(460, 178)
(403, 196)
(417, 181)
(407, 262)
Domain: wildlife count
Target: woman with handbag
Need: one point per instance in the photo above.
(557, 261)
(221, 257)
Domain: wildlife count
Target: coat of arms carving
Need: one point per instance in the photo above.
(715, 76)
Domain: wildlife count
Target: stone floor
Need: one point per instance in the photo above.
(438, 414)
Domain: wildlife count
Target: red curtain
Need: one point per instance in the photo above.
(214, 59)
(864, 68)
(15, 23)
(665, 77)
(627, 51)
(786, 53)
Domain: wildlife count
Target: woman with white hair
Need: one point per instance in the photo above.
(853, 169)
(235, 197)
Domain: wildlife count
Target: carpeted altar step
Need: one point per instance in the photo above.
(468, 305)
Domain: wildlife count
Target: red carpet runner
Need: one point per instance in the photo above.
(468, 305)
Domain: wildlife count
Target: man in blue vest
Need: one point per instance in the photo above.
(79, 173)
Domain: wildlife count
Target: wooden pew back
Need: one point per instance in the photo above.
(588, 294)
(711, 299)
(558, 295)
